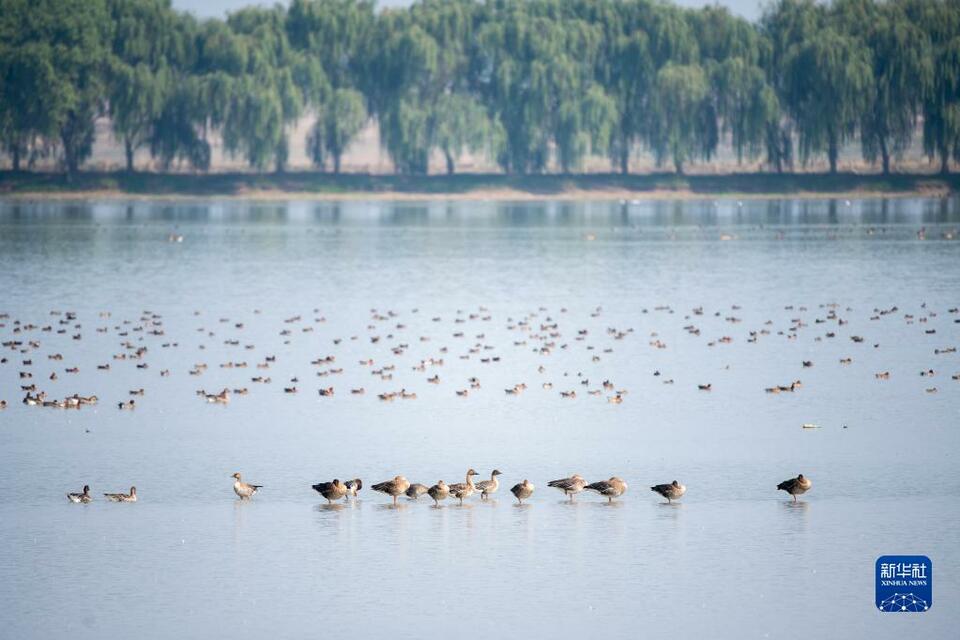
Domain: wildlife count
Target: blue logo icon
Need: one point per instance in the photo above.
(904, 584)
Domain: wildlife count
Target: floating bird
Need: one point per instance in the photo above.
(671, 492)
(795, 486)
(522, 491)
(438, 492)
(122, 497)
(416, 490)
(83, 497)
(242, 489)
(393, 488)
(461, 490)
(331, 490)
(488, 487)
(570, 486)
(612, 488)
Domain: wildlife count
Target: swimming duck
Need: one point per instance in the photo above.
(242, 489)
(461, 490)
(394, 488)
(570, 486)
(795, 486)
(353, 486)
(671, 491)
(416, 490)
(83, 497)
(522, 491)
(122, 497)
(438, 492)
(487, 487)
(612, 488)
(331, 490)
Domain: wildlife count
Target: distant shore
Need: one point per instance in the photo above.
(324, 186)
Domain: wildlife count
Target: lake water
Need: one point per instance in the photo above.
(588, 291)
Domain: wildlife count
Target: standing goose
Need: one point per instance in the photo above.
(612, 488)
(670, 491)
(438, 492)
(78, 498)
(353, 486)
(416, 490)
(570, 486)
(242, 489)
(487, 487)
(522, 491)
(122, 497)
(795, 486)
(394, 488)
(331, 490)
(461, 490)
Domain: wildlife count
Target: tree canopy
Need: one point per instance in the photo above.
(534, 85)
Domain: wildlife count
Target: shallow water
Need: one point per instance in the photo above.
(735, 558)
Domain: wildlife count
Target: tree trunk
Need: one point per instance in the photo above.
(832, 153)
(336, 164)
(678, 165)
(944, 162)
(450, 163)
(885, 155)
(128, 150)
(15, 153)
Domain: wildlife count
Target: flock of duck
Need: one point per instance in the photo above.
(400, 486)
(388, 344)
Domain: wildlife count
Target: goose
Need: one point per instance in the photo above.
(353, 486)
(488, 487)
(242, 489)
(393, 488)
(461, 490)
(570, 486)
(416, 490)
(331, 490)
(438, 492)
(671, 491)
(612, 488)
(795, 486)
(122, 497)
(522, 491)
(83, 497)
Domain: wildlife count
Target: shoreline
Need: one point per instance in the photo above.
(299, 186)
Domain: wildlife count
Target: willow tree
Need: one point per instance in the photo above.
(686, 125)
(339, 120)
(827, 89)
(460, 123)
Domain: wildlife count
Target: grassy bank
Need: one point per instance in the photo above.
(467, 186)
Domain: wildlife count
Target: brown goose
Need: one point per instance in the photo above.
(242, 489)
(795, 486)
(461, 490)
(393, 488)
(438, 492)
(84, 497)
(671, 491)
(612, 488)
(331, 490)
(570, 486)
(488, 487)
(122, 497)
(416, 490)
(522, 491)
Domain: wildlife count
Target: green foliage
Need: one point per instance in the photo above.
(338, 122)
(537, 85)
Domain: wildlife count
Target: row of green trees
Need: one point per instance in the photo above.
(527, 82)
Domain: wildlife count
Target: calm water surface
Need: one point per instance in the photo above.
(735, 559)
